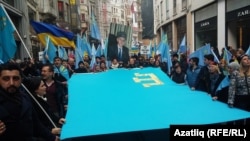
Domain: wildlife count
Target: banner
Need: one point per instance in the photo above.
(121, 101)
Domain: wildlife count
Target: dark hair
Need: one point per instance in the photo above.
(80, 62)
(57, 58)
(10, 67)
(195, 60)
(32, 83)
(175, 55)
(51, 67)
(209, 57)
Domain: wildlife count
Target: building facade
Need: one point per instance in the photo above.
(18, 13)
(221, 23)
(72, 15)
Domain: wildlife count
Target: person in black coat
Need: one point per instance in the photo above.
(16, 109)
(119, 51)
(37, 88)
(202, 80)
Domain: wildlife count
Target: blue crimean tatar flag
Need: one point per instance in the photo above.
(200, 53)
(183, 46)
(7, 40)
(94, 29)
(49, 51)
(224, 83)
(62, 53)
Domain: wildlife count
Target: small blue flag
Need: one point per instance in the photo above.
(227, 55)
(248, 51)
(50, 50)
(183, 47)
(224, 83)
(62, 53)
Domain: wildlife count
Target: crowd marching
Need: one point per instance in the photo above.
(46, 84)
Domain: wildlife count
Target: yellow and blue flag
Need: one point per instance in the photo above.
(7, 40)
(58, 36)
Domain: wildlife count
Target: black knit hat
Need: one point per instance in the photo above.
(32, 83)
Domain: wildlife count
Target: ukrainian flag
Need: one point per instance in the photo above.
(57, 35)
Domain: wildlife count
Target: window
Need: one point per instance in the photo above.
(122, 14)
(167, 9)
(184, 4)
(51, 3)
(60, 6)
(83, 17)
(60, 10)
(174, 7)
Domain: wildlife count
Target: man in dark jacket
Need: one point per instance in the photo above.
(16, 109)
(119, 51)
(202, 81)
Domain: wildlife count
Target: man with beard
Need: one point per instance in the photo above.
(17, 115)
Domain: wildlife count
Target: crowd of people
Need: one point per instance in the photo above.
(34, 95)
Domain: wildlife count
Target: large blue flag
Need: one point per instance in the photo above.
(49, 51)
(155, 102)
(7, 40)
(200, 53)
(94, 29)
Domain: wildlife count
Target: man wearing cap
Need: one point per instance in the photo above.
(120, 51)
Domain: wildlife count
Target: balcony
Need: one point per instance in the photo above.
(45, 7)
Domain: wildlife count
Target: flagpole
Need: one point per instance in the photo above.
(16, 30)
(39, 105)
